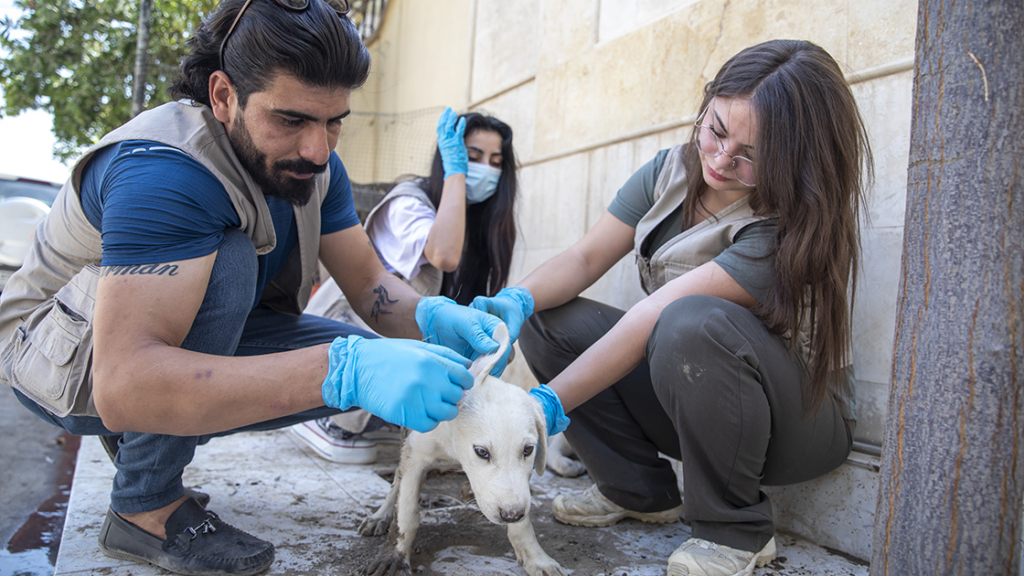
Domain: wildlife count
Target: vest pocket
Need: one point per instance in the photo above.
(49, 357)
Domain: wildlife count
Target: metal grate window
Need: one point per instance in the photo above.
(368, 15)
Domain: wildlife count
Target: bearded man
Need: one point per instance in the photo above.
(160, 304)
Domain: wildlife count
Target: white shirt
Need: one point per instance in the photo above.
(399, 233)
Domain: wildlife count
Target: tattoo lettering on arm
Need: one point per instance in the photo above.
(141, 269)
(381, 301)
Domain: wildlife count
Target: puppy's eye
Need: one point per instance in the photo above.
(482, 452)
(527, 451)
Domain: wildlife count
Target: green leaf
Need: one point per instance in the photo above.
(75, 59)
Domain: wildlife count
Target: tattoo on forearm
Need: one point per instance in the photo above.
(141, 269)
(381, 301)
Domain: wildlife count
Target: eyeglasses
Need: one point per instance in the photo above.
(710, 145)
(341, 7)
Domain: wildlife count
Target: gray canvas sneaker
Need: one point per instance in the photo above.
(699, 557)
(591, 508)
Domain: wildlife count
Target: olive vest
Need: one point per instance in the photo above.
(46, 309)
(428, 281)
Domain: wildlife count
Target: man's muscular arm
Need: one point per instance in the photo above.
(143, 381)
(380, 298)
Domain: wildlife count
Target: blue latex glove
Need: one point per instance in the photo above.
(406, 382)
(451, 142)
(552, 406)
(461, 328)
(513, 305)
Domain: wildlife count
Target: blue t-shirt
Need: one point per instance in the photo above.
(153, 203)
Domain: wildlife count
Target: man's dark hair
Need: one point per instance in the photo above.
(316, 46)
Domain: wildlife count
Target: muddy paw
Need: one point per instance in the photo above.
(389, 563)
(373, 526)
(546, 567)
(566, 467)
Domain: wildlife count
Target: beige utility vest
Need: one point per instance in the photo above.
(428, 281)
(46, 308)
(696, 245)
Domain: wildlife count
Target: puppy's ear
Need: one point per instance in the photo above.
(481, 367)
(541, 425)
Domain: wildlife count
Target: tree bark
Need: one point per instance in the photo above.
(141, 58)
(952, 479)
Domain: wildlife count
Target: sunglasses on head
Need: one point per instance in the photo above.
(341, 7)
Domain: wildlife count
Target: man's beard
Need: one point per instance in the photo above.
(273, 180)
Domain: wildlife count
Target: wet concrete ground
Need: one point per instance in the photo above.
(35, 482)
(272, 486)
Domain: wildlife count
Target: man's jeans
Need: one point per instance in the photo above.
(149, 466)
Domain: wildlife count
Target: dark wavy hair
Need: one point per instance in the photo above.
(490, 225)
(316, 46)
(811, 150)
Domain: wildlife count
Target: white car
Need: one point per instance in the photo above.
(23, 203)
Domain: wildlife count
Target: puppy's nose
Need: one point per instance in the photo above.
(512, 515)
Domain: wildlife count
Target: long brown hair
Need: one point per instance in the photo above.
(811, 150)
(490, 225)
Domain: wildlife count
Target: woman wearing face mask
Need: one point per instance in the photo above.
(448, 234)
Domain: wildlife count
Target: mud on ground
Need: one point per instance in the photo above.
(454, 535)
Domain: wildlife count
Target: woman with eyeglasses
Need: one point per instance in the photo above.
(737, 362)
(449, 234)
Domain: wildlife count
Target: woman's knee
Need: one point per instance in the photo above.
(690, 320)
(693, 333)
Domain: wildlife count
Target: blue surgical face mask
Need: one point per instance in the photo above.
(481, 182)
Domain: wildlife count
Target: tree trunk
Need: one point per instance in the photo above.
(953, 462)
(141, 57)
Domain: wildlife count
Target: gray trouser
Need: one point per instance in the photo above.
(717, 391)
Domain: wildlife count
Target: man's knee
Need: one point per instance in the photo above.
(233, 277)
(237, 255)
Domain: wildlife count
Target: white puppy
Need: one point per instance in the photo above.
(499, 438)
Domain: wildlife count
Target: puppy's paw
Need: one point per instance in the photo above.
(560, 458)
(566, 467)
(388, 563)
(544, 566)
(374, 525)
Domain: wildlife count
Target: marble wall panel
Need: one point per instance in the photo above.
(518, 109)
(872, 406)
(886, 106)
(405, 76)
(566, 30)
(610, 167)
(505, 46)
(874, 315)
(553, 209)
(880, 31)
(601, 94)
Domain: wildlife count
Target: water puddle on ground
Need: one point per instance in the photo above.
(32, 550)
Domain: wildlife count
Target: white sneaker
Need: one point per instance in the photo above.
(699, 557)
(591, 508)
(336, 444)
